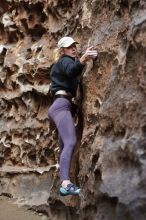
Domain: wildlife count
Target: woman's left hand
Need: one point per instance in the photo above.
(90, 53)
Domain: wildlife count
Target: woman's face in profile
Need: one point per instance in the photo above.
(71, 50)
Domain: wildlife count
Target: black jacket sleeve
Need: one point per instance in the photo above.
(70, 67)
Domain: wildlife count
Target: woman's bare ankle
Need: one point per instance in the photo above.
(65, 183)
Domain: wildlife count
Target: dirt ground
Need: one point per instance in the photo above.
(9, 211)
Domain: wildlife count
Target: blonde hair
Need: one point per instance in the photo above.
(58, 52)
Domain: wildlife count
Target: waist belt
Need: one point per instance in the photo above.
(62, 96)
(63, 92)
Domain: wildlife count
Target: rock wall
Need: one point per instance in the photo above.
(110, 159)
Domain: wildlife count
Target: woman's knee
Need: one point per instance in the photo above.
(74, 141)
(71, 142)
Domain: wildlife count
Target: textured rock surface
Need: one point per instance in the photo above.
(110, 159)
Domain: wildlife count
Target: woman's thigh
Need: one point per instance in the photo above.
(66, 128)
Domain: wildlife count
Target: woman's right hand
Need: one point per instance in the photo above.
(90, 53)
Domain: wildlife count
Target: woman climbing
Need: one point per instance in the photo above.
(64, 83)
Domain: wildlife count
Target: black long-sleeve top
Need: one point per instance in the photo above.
(64, 75)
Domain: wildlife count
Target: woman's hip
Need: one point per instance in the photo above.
(59, 105)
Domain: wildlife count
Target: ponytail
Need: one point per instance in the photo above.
(58, 52)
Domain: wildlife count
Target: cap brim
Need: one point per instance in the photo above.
(69, 44)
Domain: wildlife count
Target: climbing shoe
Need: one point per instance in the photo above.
(71, 189)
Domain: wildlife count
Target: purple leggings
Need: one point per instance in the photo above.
(60, 114)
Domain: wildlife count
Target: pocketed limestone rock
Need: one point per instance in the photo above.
(110, 158)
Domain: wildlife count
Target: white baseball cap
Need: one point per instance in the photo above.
(66, 42)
